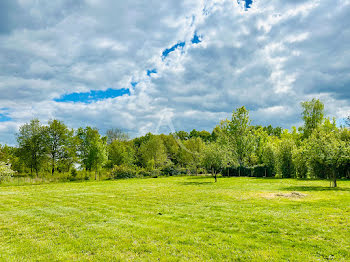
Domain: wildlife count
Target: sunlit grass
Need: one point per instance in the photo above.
(176, 218)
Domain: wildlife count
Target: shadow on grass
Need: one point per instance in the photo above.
(197, 183)
(315, 188)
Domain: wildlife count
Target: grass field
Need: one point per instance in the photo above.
(176, 219)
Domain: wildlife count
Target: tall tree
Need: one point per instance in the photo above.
(58, 136)
(92, 148)
(240, 133)
(313, 113)
(32, 144)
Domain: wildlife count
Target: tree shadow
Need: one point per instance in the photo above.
(196, 183)
(315, 188)
(199, 177)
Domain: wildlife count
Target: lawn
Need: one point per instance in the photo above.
(176, 219)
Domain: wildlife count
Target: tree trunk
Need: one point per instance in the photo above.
(214, 174)
(265, 172)
(239, 171)
(334, 178)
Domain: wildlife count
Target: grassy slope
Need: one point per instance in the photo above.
(171, 219)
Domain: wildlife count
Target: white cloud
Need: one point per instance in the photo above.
(268, 58)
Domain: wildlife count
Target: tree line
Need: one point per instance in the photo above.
(318, 149)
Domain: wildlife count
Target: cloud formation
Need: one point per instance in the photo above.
(190, 62)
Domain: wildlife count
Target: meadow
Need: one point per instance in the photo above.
(176, 219)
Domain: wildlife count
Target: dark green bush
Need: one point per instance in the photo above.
(123, 171)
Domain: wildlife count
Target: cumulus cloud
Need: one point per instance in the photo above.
(268, 57)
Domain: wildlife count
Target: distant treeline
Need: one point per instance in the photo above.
(318, 149)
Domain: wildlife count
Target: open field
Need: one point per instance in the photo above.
(175, 219)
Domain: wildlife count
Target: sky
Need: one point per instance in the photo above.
(169, 65)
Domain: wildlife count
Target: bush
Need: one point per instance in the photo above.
(123, 171)
(279, 176)
(170, 171)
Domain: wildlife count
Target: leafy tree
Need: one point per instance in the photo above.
(285, 157)
(213, 159)
(92, 148)
(116, 134)
(190, 154)
(121, 153)
(240, 133)
(313, 112)
(327, 152)
(32, 145)
(58, 142)
(183, 135)
(153, 152)
(172, 147)
(269, 155)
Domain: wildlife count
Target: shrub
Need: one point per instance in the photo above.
(278, 176)
(123, 171)
(5, 171)
(170, 171)
(73, 175)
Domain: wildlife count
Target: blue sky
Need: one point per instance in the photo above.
(137, 65)
(93, 95)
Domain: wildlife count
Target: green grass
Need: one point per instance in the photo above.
(176, 219)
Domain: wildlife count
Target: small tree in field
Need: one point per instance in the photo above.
(213, 159)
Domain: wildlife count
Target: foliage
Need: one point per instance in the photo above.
(153, 152)
(318, 149)
(32, 145)
(120, 153)
(116, 134)
(123, 171)
(312, 115)
(61, 145)
(5, 171)
(92, 148)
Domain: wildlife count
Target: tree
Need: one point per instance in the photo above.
(213, 159)
(183, 135)
(312, 115)
(327, 152)
(269, 155)
(191, 152)
(92, 148)
(32, 145)
(239, 132)
(172, 147)
(153, 152)
(116, 134)
(121, 153)
(285, 157)
(59, 142)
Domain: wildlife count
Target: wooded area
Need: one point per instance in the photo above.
(318, 149)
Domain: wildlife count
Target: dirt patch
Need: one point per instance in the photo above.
(285, 195)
